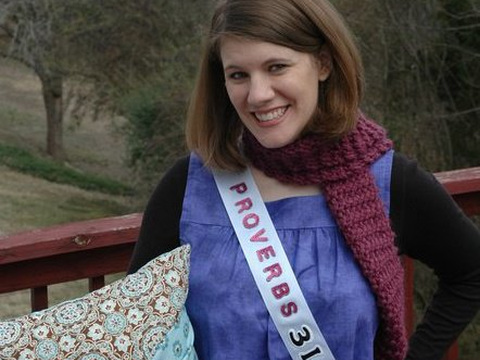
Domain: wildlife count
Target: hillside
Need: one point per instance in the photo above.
(94, 147)
(28, 202)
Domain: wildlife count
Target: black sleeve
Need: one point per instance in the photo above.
(159, 232)
(431, 228)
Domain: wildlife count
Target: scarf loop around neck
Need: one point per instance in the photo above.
(342, 170)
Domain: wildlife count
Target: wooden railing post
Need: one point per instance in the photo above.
(39, 298)
(453, 353)
(95, 283)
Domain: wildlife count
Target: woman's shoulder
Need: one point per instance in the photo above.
(408, 175)
(174, 180)
(170, 189)
(412, 181)
(179, 170)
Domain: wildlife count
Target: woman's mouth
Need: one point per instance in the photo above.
(270, 115)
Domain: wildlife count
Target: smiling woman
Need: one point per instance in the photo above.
(274, 89)
(308, 27)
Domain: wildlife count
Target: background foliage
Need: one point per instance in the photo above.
(422, 62)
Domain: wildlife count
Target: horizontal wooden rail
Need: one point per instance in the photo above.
(464, 186)
(81, 250)
(95, 248)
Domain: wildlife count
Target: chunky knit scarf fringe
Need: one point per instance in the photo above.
(342, 169)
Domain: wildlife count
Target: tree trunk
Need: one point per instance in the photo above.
(52, 90)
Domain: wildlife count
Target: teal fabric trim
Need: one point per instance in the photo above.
(178, 342)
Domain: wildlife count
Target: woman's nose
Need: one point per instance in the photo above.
(260, 91)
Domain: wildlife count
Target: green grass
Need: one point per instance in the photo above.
(23, 161)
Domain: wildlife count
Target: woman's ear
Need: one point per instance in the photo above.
(324, 59)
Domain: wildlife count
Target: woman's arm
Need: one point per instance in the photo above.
(430, 227)
(159, 232)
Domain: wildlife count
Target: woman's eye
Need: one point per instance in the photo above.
(277, 67)
(237, 75)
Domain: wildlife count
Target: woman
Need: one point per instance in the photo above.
(278, 91)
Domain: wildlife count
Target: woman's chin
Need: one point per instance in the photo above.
(274, 143)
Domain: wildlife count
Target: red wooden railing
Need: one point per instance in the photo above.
(82, 250)
(92, 249)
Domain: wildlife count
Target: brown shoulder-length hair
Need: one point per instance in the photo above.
(213, 128)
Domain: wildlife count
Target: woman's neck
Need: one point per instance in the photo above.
(272, 189)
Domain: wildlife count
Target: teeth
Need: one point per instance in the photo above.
(272, 115)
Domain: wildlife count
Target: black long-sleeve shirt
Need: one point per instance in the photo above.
(428, 225)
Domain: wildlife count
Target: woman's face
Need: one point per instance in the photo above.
(273, 88)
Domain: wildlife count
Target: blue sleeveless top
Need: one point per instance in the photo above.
(228, 315)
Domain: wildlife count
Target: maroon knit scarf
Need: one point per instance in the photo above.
(342, 169)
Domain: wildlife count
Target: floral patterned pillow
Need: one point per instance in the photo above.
(131, 318)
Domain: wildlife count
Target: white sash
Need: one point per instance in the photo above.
(270, 266)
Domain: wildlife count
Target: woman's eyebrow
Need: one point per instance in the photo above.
(266, 62)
